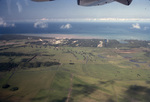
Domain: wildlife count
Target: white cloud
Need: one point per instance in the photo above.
(40, 24)
(67, 26)
(136, 26)
(5, 24)
(44, 19)
(98, 20)
(19, 7)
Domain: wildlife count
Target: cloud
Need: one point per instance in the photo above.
(40, 24)
(44, 19)
(5, 24)
(67, 26)
(136, 26)
(19, 7)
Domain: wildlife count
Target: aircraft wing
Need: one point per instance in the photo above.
(125, 2)
(41, 0)
(101, 2)
(94, 2)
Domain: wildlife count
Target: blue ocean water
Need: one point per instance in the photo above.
(107, 30)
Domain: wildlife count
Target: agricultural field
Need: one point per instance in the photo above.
(40, 69)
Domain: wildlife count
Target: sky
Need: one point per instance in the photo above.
(24, 10)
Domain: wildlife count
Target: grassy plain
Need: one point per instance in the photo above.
(85, 74)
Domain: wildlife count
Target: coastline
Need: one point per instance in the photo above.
(83, 36)
(80, 36)
(64, 36)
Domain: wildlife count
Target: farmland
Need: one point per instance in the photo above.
(40, 69)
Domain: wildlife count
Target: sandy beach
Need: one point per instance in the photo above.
(65, 36)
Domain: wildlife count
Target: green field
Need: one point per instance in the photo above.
(31, 72)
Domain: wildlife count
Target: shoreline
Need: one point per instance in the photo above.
(73, 36)
(64, 36)
(78, 36)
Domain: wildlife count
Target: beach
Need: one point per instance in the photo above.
(65, 36)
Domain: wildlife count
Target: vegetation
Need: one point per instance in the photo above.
(5, 86)
(74, 70)
(7, 66)
(14, 89)
(14, 54)
(147, 53)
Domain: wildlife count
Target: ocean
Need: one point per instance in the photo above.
(105, 30)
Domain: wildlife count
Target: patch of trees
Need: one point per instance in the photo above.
(38, 64)
(147, 54)
(137, 93)
(91, 54)
(130, 44)
(71, 63)
(37, 42)
(22, 54)
(83, 42)
(95, 42)
(16, 36)
(14, 89)
(5, 86)
(137, 61)
(47, 64)
(48, 55)
(8, 46)
(7, 66)
(20, 46)
(4, 49)
(30, 65)
(137, 43)
(25, 60)
(113, 44)
(85, 89)
(14, 54)
(12, 37)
